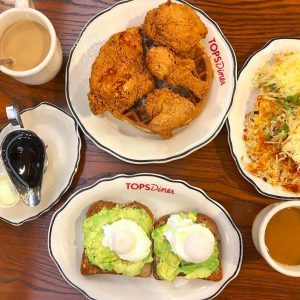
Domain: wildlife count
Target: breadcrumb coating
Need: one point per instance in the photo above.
(175, 26)
(163, 64)
(119, 75)
(168, 111)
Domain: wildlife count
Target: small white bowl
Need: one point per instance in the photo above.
(258, 234)
(59, 132)
(121, 139)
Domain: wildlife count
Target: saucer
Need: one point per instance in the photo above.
(59, 132)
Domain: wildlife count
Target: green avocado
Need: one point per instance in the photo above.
(170, 265)
(93, 233)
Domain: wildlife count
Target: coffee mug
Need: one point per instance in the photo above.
(258, 234)
(50, 66)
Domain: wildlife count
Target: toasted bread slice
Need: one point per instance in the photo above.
(203, 219)
(89, 269)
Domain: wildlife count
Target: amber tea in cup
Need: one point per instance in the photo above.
(27, 43)
(282, 236)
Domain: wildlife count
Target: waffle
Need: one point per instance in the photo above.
(141, 77)
(138, 116)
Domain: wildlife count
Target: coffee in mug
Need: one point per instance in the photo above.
(27, 43)
(30, 39)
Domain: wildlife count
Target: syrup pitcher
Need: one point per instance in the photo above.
(24, 157)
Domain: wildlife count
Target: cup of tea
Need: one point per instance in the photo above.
(29, 39)
(276, 236)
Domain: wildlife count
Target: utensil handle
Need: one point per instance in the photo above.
(24, 4)
(13, 115)
(6, 61)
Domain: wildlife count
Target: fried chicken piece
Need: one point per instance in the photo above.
(175, 26)
(119, 75)
(168, 111)
(163, 64)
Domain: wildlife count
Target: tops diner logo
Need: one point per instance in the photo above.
(219, 63)
(150, 187)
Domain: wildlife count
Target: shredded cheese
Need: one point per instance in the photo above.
(291, 145)
(272, 129)
(283, 71)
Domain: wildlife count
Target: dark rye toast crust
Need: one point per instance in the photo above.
(89, 269)
(204, 219)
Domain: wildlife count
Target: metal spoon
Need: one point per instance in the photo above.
(6, 61)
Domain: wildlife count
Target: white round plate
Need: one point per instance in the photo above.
(243, 102)
(122, 139)
(163, 196)
(59, 132)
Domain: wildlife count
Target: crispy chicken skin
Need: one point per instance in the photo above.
(168, 111)
(119, 75)
(163, 64)
(174, 26)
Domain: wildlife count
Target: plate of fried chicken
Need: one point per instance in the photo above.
(151, 81)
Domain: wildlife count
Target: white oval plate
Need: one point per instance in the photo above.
(65, 238)
(59, 132)
(120, 138)
(243, 102)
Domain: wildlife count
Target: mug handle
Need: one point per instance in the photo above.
(24, 4)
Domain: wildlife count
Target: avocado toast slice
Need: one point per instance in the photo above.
(167, 265)
(105, 212)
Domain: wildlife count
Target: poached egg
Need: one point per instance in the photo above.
(189, 241)
(127, 239)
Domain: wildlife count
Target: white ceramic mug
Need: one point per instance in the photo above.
(50, 66)
(258, 234)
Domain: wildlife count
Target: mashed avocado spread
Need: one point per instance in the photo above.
(93, 233)
(170, 265)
